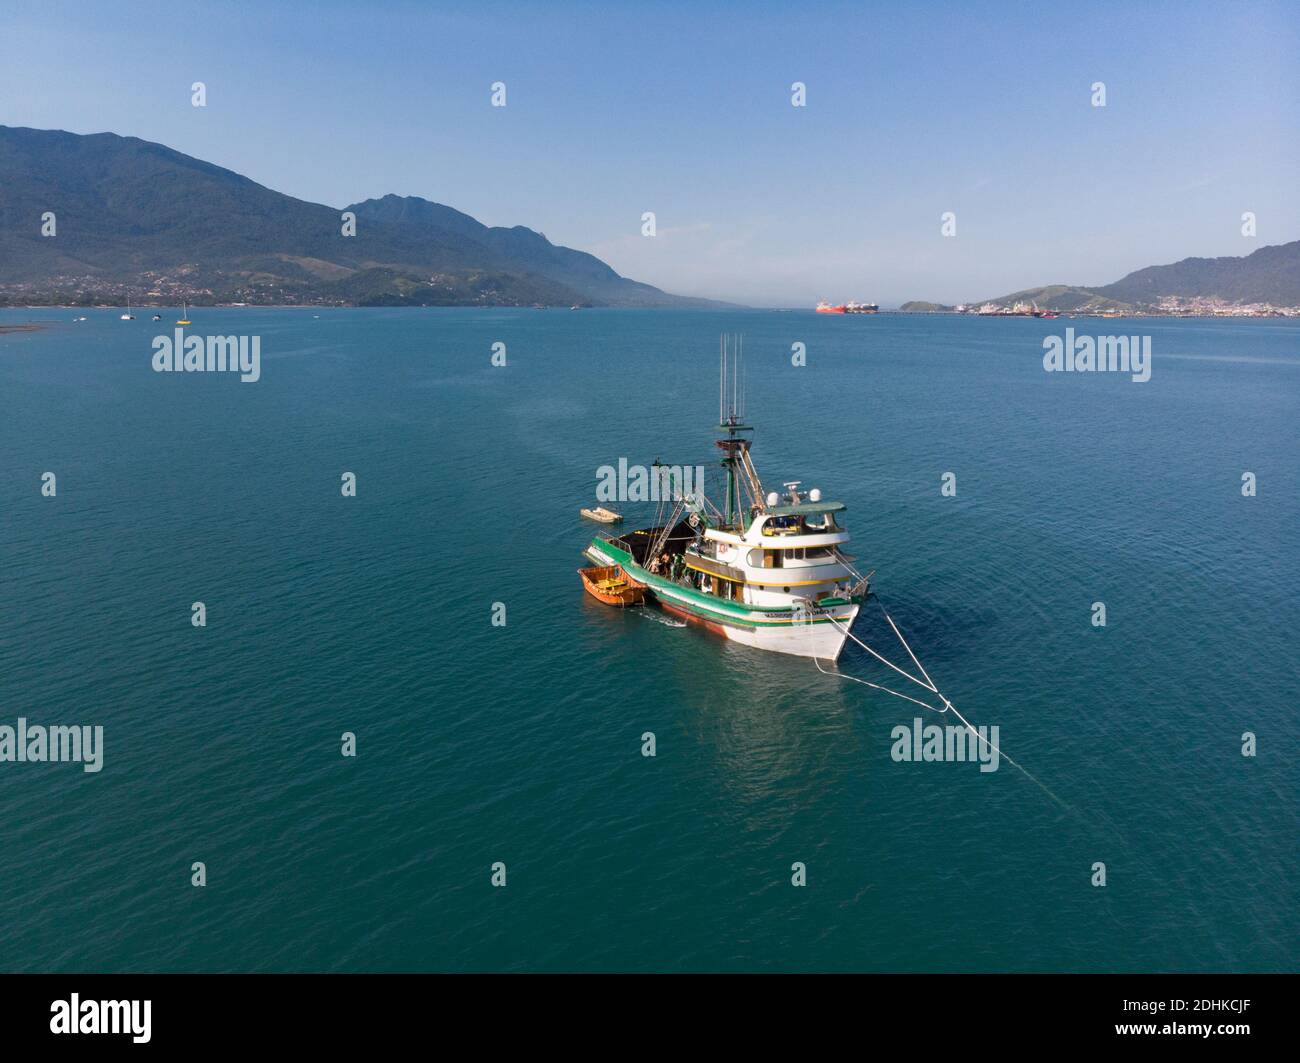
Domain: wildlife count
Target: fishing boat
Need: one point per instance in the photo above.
(610, 584)
(603, 515)
(767, 569)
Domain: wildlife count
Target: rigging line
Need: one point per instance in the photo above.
(735, 376)
(742, 377)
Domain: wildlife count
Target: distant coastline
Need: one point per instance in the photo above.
(1001, 310)
(152, 232)
(906, 310)
(1264, 283)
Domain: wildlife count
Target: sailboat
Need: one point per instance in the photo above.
(128, 316)
(767, 569)
(185, 314)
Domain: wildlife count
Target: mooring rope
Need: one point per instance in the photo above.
(855, 679)
(948, 706)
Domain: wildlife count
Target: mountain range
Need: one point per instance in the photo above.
(1269, 275)
(134, 218)
(137, 220)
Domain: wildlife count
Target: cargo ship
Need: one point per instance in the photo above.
(825, 308)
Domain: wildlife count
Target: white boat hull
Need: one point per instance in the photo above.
(824, 640)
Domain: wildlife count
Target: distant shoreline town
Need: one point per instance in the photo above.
(152, 291)
(155, 290)
(1169, 306)
(983, 310)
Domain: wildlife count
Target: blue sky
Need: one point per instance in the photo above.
(684, 109)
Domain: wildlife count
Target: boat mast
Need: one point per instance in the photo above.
(735, 448)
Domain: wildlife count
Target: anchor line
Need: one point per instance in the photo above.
(929, 685)
(915, 660)
(855, 679)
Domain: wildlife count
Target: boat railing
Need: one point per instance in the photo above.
(619, 542)
(863, 586)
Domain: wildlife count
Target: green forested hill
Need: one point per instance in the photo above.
(133, 214)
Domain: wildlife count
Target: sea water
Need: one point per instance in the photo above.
(521, 743)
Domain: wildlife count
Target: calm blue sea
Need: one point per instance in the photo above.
(522, 743)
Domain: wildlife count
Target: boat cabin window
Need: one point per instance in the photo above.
(782, 526)
(815, 524)
(808, 553)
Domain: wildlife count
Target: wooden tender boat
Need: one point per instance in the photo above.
(600, 513)
(611, 585)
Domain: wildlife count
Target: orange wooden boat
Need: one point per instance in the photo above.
(611, 585)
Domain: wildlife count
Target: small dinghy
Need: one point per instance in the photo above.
(605, 516)
(610, 584)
